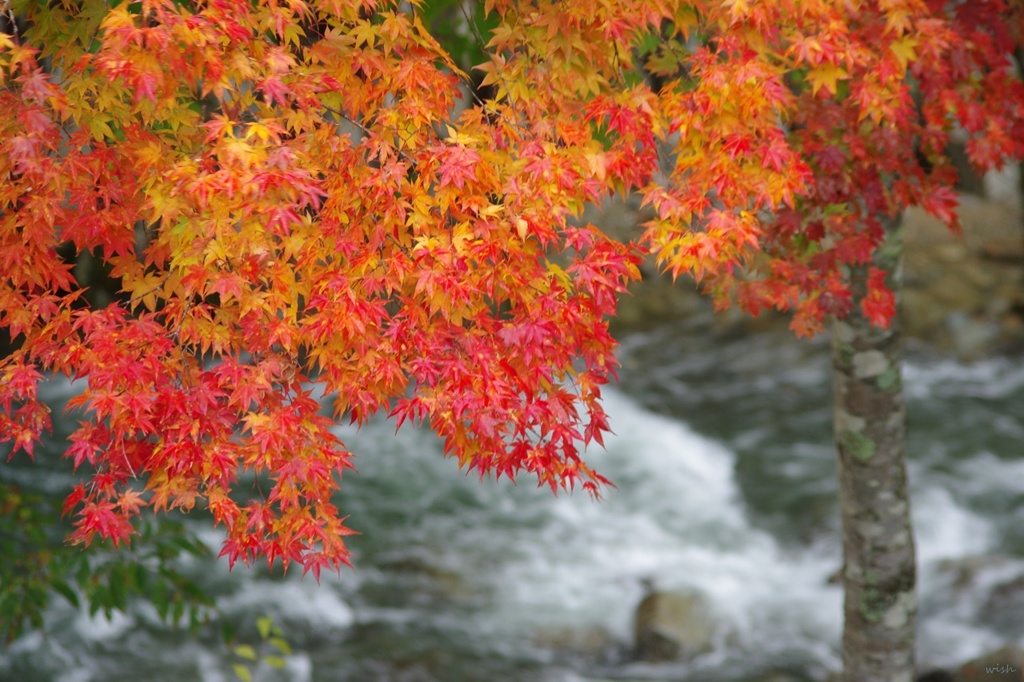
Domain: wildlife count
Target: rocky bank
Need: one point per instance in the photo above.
(963, 294)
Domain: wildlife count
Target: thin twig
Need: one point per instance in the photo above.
(10, 17)
(369, 133)
(483, 48)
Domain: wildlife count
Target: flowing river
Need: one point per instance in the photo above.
(725, 484)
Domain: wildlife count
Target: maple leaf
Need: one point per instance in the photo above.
(905, 50)
(777, 156)
(942, 202)
(284, 207)
(274, 90)
(145, 87)
(458, 165)
(879, 303)
(826, 76)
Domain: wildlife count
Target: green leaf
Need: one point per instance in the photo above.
(161, 599)
(263, 625)
(99, 596)
(140, 576)
(83, 574)
(119, 587)
(194, 592)
(177, 610)
(246, 651)
(188, 545)
(196, 620)
(281, 644)
(227, 631)
(275, 662)
(66, 591)
(242, 672)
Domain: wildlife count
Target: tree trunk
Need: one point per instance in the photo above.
(880, 604)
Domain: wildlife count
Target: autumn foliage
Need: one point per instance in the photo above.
(305, 200)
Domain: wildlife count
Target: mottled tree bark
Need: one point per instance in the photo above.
(880, 604)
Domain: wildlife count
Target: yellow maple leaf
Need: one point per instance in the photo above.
(904, 50)
(462, 234)
(826, 75)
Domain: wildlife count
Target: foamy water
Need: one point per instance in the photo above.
(488, 571)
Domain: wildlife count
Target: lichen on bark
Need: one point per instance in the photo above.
(857, 444)
(878, 547)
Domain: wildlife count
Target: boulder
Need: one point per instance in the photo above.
(965, 572)
(1004, 608)
(593, 643)
(936, 675)
(672, 626)
(1002, 665)
(962, 294)
(778, 676)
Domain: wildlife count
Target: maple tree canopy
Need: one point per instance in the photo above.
(303, 198)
